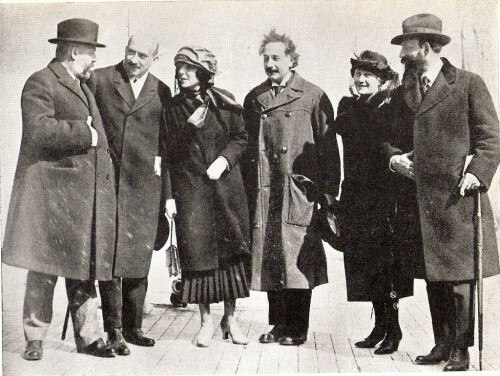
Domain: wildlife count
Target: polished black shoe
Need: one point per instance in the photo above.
(438, 354)
(388, 346)
(137, 337)
(99, 348)
(293, 340)
(459, 360)
(33, 351)
(377, 335)
(117, 342)
(274, 335)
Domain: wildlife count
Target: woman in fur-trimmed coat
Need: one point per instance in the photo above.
(375, 270)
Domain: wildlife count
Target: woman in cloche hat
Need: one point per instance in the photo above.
(373, 267)
(207, 137)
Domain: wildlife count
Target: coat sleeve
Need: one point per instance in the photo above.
(42, 130)
(387, 124)
(485, 141)
(163, 143)
(326, 141)
(344, 116)
(238, 139)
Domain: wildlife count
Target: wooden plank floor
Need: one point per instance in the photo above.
(335, 326)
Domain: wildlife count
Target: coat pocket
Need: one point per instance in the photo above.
(301, 194)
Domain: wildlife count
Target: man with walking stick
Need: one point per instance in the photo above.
(440, 115)
(61, 220)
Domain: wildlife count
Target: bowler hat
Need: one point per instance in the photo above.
(77, 30)
(199, 57)
(372, 62)
(422, 25)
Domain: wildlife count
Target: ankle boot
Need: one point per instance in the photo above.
(378, 332)
(393, 336)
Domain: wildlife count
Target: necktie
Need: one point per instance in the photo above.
(425, 84)
(277, 90)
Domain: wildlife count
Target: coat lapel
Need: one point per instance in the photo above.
(291, 92)
(148, 92)
(263, 95)
(66, 80)
(439, 90)
(122, 85)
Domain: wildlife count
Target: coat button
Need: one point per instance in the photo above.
(256, 225)
(108, 151)
(288, 114)
(284, 149)
(107, 176)
(264, 116)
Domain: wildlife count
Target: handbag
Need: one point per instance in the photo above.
(173, 262)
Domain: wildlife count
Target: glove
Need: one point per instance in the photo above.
(217, 168)
(170, 208)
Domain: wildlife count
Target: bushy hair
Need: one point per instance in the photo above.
(290, 48)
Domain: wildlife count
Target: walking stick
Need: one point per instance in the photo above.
(65, 325)
(479, 275)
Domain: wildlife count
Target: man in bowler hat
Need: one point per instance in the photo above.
(442, 117)
(131, 101)
(61, 220)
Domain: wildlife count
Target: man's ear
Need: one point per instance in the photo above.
(427, 48)
(155, 58)
(74, 53)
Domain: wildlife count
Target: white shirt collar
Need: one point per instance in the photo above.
(284, 81)
(432, 72)
(138, 83)
(70, 73)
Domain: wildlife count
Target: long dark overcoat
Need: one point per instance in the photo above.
(212, 215)
(136, 135)
(456, 118)
(374, 268)
(291, 160)
(63, 202)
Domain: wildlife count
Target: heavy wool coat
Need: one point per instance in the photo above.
(455, 119)
(374, 268)
(63, 204)
(292, 159)
(212, 215)
(136, 136)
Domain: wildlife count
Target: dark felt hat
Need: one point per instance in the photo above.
(422, 25)
(77, 30)
(372, 62)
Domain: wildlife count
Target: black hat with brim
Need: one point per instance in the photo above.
(373, 62)
(77, 30)
(423, 26)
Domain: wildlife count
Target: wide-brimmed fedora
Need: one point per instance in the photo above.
(422, 25)
(77, 30)
(373, 62)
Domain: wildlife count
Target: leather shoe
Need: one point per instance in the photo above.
(293, 340)
(137, 337)
(459, 360)
(274, 335)
(438, 354)
(377, 335)
(33, 351)
(99, 348)
(388, 346)
(117, 342)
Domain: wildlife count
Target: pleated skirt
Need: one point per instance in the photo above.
(216, 285)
